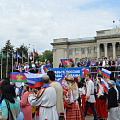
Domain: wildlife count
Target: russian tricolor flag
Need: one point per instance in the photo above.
(105, 85)
(34, 80)
(34, 52)
(106, 73)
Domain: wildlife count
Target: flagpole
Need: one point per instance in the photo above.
(1, 64)
(12, 61)
(22, 57)
(17, 57)
(33, 54)
(28, 54)
(7, 65)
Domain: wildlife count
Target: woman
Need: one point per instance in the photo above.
(74, 112)
(8, 93)
(26, 108)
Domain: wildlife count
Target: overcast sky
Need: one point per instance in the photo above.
(38, 22)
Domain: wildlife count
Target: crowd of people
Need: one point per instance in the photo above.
(72, 99)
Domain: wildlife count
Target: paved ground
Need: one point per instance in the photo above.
(89, 117)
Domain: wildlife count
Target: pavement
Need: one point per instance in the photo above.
(89, 117)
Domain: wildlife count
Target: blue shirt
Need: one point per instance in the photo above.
(44, 86)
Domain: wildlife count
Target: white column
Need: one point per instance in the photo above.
(65, 51)
(80, 53)
(114, 50)
(73, 54)
(106, 52)
(92, 51)
(54, 58)
(98, 50)
(86, 51)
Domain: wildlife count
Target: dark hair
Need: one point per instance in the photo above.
(4, 83)
(51, 75)
(89, 75)
(8, 93)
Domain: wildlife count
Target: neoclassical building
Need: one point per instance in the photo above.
(106, 43)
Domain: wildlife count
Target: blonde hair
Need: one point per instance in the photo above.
(73, 86)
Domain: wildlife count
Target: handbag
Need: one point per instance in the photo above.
(10, 116)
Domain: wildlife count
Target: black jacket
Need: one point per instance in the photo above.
(112, 98)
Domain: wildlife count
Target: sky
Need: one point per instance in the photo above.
(38, 22)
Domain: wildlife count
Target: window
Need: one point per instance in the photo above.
(118, 47)
(89, 50)
(102, 57)
(118, 57)
(110, 48)
(76, 60)
(83, 60)
(70, 51)
(96, 59)
(83, 51)
(89, 58)
(76, 50)
(95, 49)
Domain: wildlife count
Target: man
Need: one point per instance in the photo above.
(113, 110)
(87, 62)
(60, 65)
(48, 65)
(99, 62)
(46, 100)
(32, 67)
(90, 98)
(117, 67)
(80, 63)
(59, 92)
(112, 67)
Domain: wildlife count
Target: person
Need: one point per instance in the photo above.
(26, 108)
(48, 65)
(113, 110)
(105, 62)
(93, 68)
(15, 67)
(32, 67)
(9, 97)
(26, 67)
(87, 62)
(117, 67)
(99, 62)
(80, 63)
(61, 65)
(59, 92)
(46, 100)
(90, 98)
(74, 112)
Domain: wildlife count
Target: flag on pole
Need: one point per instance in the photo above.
(34, 52)
(67, 62)
(19, 56)
(8, 56)
(113, 21)
(24, 56)
(3, 56)
(106, 73)
(30, 56)
(14, 56)
(99, 71)
(105, 85)
(34, 80)
(17, 77)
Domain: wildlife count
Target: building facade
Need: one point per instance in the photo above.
(106, 43)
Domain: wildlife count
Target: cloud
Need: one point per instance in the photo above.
(38, 22)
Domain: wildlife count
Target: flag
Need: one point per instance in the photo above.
(79, 78)
(8, 56)
(106, 73)
(67, 62)
(3, 56)
(43, 70)
(99, 71)
(85, 72)
(14, 56)
(34, 80)
(113, 21)
(30, 56)
(19, 56)
(17, 77)
(105, 85)
(24, 56)
(34, 52)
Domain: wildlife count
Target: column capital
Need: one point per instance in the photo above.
(54, 50)
(113, 43)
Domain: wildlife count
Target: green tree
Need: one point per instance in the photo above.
(47, 54)
(8, 48)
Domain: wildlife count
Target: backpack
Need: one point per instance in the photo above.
(10, 116)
